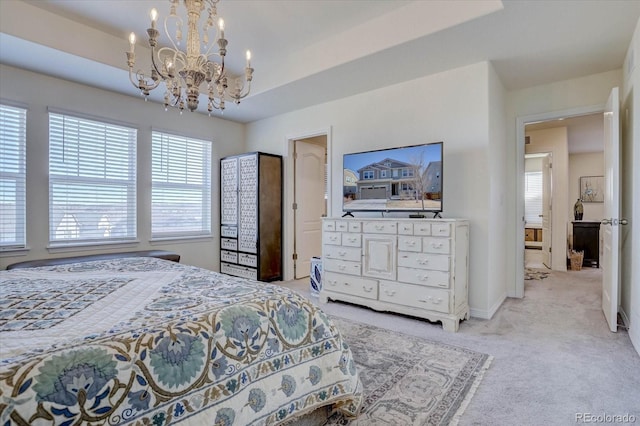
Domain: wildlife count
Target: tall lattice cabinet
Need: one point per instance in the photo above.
(251, 216)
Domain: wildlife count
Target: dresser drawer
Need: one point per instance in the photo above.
(228, 244)
(422, 229)
(406, 243)
(342, 266)
(355, 226)
(416, 296)
(229, 231)
(441, 229)
(433, 262)
(334, 238)
(405, 228)
(436, 245)
(352, 240)
(239, 271)
(328, 225)
(248, 259)
(380, 227)
(229, 256)
(342, 225)
(423, 277)
(355, 286)
(353, 254)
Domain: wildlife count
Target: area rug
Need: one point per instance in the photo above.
(408, 380)
(534, 274)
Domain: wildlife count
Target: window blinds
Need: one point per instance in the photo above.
(92, 181)
(181, 186)
(12, 177)
(533, 198)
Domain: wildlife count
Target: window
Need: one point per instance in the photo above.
(13, 124)
(383, 173)
(92, 181)
(533, 198)
(181, 188)
(407, 172)
(367, 174)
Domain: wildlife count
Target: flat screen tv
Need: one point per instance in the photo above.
(401, 179)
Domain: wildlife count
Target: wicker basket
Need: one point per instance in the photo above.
(576, 260)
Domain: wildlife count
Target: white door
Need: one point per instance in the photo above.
(546, 211)
(609, 229)
(310, 203)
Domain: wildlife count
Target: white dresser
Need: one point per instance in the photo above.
(416, 267)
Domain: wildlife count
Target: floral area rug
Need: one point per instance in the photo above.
(408, 380)
(534, 274)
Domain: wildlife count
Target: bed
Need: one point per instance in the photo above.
(147, 341)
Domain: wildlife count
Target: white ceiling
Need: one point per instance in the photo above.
(313, 51)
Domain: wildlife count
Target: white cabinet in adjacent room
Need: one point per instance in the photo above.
(416, 267)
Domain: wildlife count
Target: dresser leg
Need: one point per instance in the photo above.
(450, 326)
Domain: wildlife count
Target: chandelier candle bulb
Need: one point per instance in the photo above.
(248, 58)
(132, 42)
(154, 17)
(221, 27)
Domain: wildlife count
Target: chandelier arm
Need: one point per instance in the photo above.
(166, 28)
(155, 66)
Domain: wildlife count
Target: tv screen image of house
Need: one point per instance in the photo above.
(407, 178)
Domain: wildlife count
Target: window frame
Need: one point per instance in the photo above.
(19, 176)
(82, 134)
(204, 228)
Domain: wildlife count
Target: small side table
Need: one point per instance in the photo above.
(586, 237)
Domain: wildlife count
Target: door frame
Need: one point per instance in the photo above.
(517, 288)
(288, 230)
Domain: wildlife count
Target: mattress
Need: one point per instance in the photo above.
(148, 341)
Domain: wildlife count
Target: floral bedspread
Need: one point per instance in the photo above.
(150, 342)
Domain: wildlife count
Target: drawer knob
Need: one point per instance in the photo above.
(424, 277)
(367, 289)
(436, 246)
(333, 238)
(342, 253)
(379, 227)
(423, 261)
(390, 292)
(341, 267)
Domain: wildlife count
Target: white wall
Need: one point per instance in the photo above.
(587, 164)
(555, 141)
(37, 92)
(498, 244)
(452, 107)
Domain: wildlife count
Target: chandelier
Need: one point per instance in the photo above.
(185, 74)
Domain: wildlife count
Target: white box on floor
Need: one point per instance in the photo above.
(316, 276)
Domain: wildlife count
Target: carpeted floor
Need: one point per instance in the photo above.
(408, 380)
(554, 357)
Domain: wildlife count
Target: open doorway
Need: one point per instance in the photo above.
(573, 144)
(537, 211)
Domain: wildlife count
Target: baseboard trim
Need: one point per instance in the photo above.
(488, 313)
(625, 318)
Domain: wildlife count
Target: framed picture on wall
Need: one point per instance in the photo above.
(592, 189)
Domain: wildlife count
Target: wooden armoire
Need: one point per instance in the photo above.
(251, 216)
